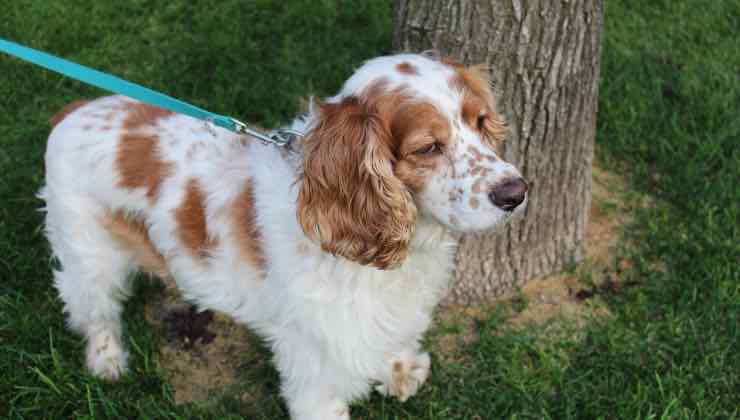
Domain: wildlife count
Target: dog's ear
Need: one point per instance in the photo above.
(475, 82)
(349, 200)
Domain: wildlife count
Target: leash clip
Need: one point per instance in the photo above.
(282, 137)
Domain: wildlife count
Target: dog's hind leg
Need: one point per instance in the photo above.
(92, 280)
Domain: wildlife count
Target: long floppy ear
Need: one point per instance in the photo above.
(349, 200)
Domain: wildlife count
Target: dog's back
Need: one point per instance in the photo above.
(133, 187)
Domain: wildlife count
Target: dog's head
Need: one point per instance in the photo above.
(408, 136)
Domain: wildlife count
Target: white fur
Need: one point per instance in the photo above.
(335, 327)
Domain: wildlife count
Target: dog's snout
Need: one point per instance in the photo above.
(509, 194)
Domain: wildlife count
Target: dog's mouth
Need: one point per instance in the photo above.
(461, 223)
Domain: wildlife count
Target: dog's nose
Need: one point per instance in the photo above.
(508, 194)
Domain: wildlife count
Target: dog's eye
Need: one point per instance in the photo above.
(481, 121)
(429, 149)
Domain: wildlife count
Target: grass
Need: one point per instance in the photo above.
(668, 120)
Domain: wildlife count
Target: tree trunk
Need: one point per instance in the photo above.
(544, 56)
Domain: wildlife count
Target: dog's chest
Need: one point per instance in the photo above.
(370, 307)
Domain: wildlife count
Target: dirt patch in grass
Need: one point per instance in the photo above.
(574, 295)
(571, 294)
(201, 351)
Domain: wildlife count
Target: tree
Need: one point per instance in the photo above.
(544, 58)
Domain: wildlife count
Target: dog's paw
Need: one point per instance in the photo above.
(333, 410)
(106, 357)
(338, 410)
(408, 373)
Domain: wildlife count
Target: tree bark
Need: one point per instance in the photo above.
(544, 56)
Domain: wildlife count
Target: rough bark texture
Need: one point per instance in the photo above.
(544, 56)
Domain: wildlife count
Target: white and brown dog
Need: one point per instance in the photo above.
(336, 255)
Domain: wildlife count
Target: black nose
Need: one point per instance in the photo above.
(508, 194)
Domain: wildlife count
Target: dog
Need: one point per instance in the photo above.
(335, 251)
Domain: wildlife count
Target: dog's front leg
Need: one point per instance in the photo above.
(311, 385)
(407, 371)
(306, 407)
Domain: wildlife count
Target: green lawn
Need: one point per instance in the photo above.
(669, 120)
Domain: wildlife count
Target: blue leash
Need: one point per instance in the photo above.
(132, 90)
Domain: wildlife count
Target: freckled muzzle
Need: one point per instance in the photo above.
(509, 194)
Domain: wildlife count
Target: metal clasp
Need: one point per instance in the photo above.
(281, 137)
(284, 136)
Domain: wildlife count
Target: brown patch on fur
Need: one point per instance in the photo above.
(139, 164)
(454, 221)
(479, 117)
(116, 107)
(131, 233)
(474, 79)
(474, 203)
(378, 89)
(397, 367)
(247, 232)
(418, 126)
(407, 68)
(191, 222)
(473, 112)
(144, 115)
(412, 126)
(350, 199)
(491, 158)
(68, 109)
(478, 101)
(475, 152)
(449, 61)
(455, 194)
